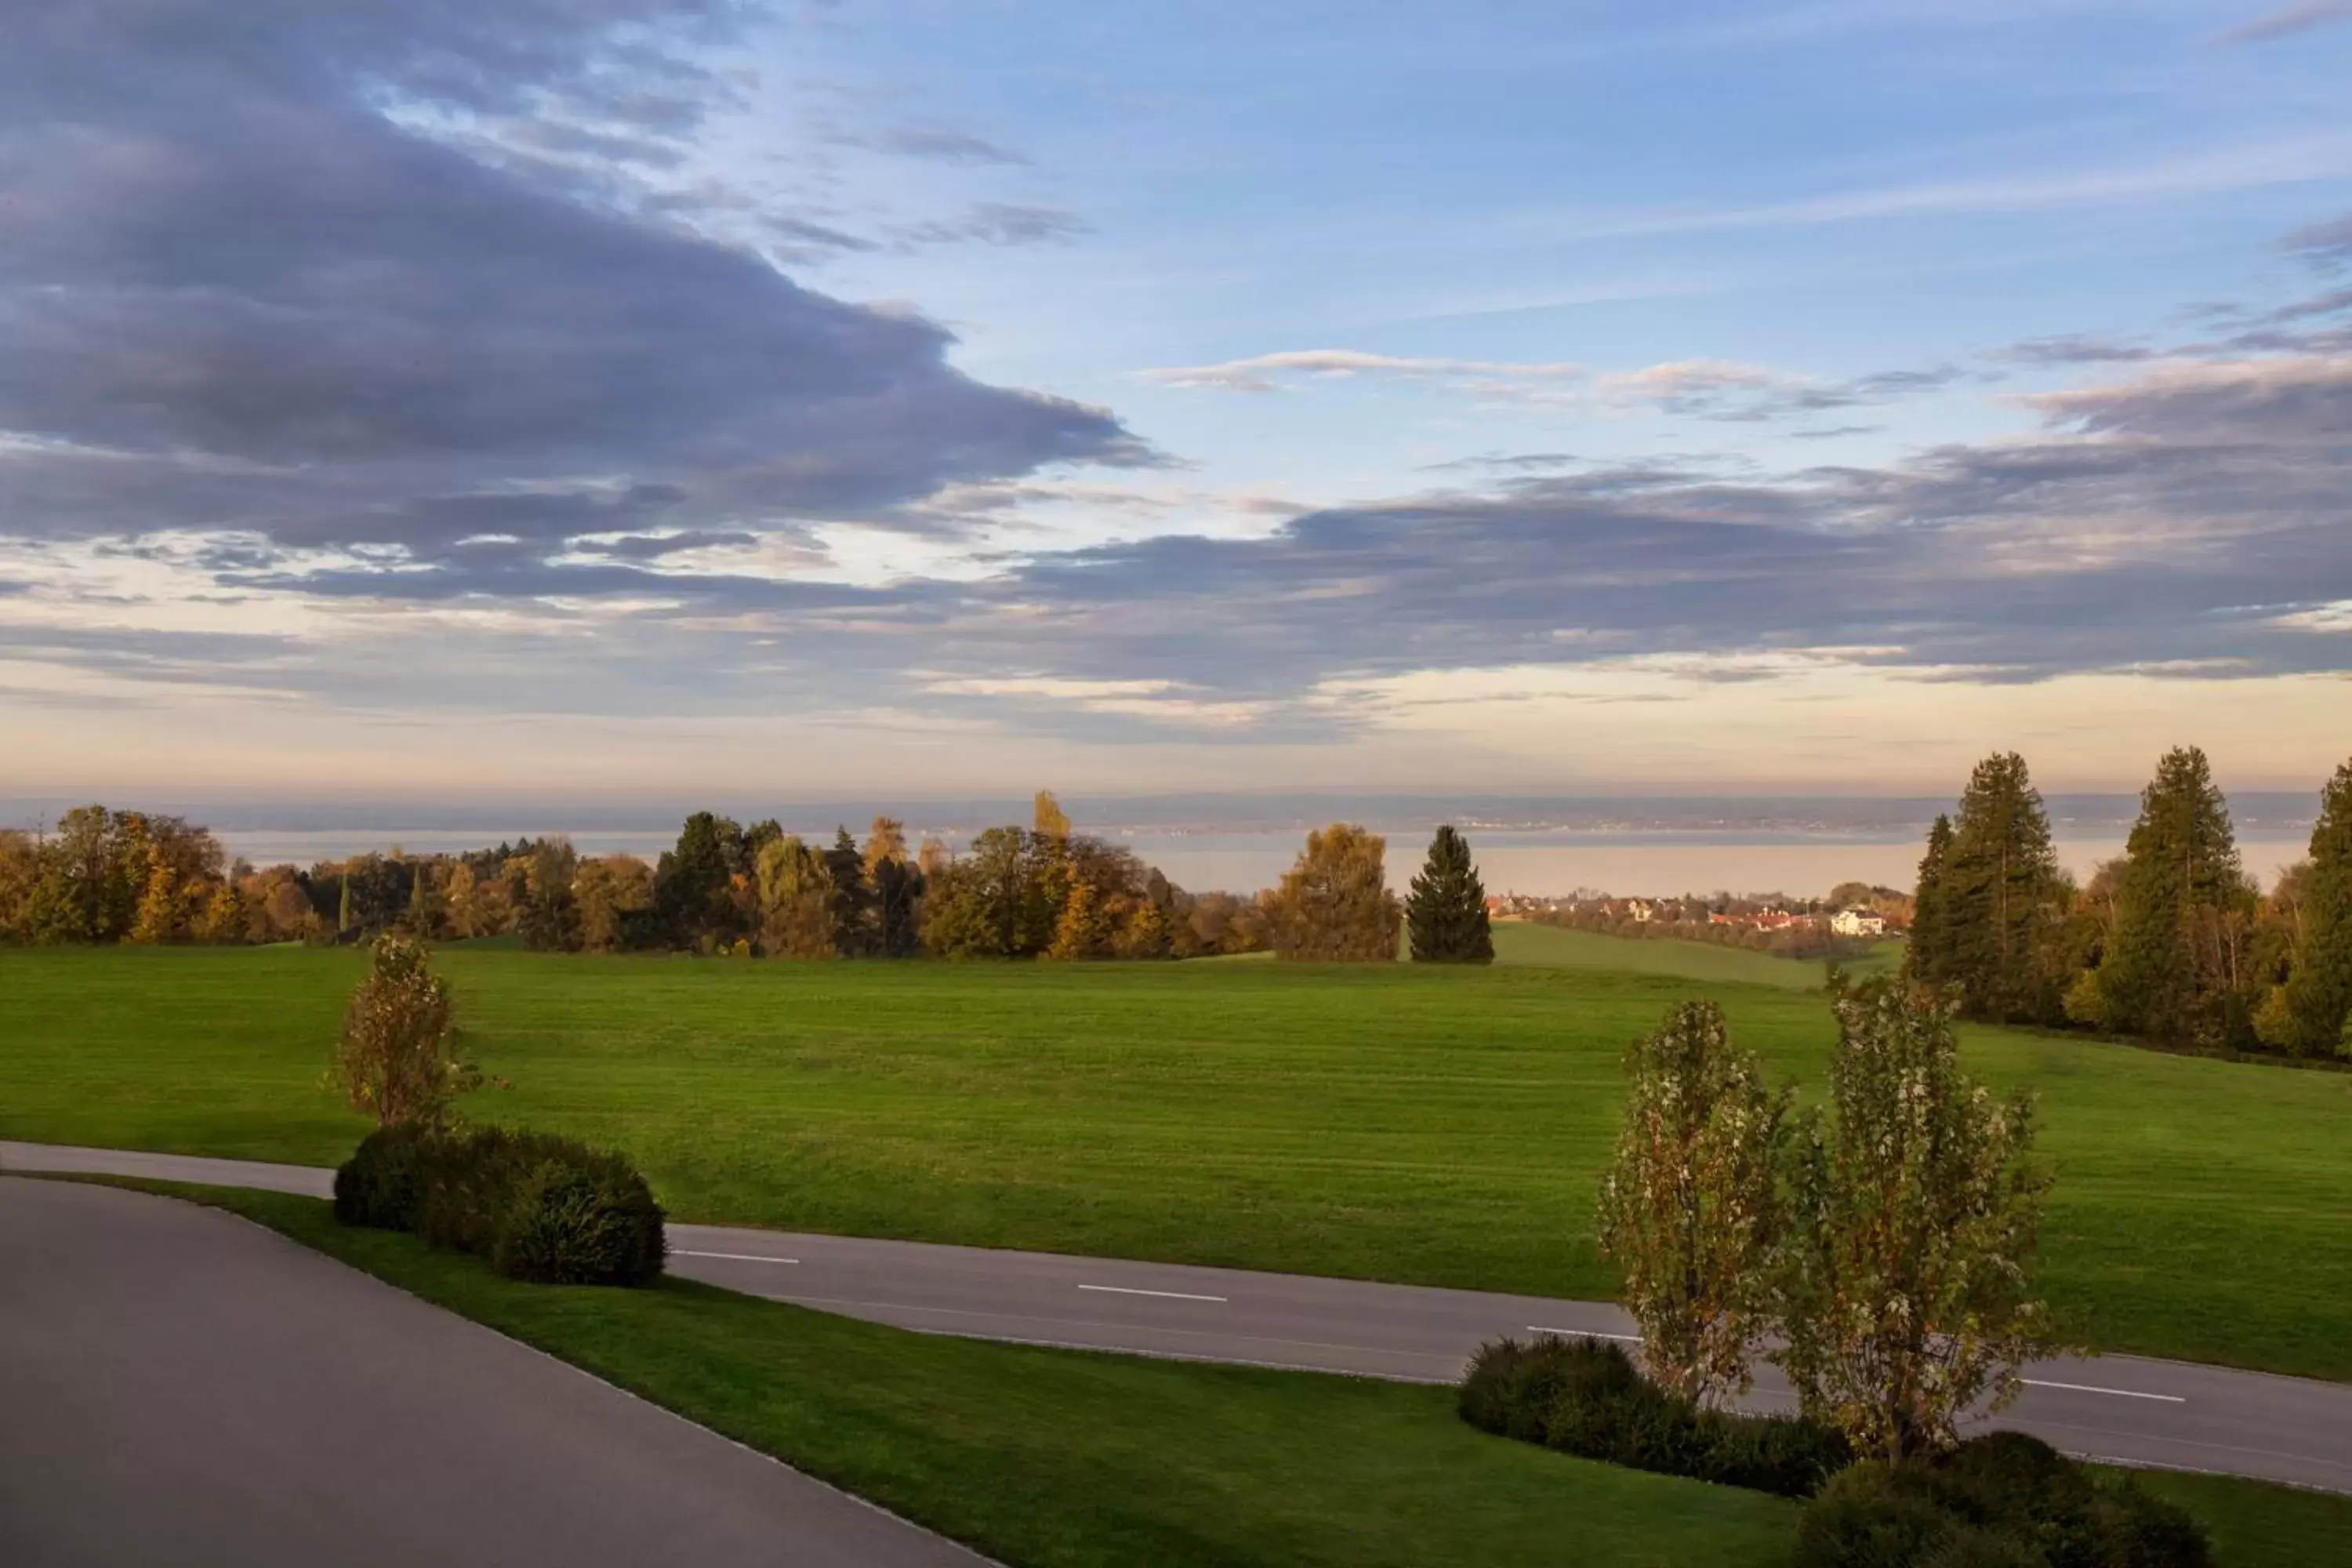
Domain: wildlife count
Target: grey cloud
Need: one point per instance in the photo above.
(2075, 349)
(1833, 432)
(1521, 461)
(1000, 223)
(938, 146)
(2210, 507)
(2329, 244)
(238, 294)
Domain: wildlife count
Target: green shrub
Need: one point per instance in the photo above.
(1871, 1515)
(2002, 1500)
(538, 1206)
(580, 1222)
(384, 1180)
(1586, 1397)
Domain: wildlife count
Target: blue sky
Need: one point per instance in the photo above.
(628, 394)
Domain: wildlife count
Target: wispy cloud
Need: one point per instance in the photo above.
(2288, 20)
(2271, 161)
(1262, 373)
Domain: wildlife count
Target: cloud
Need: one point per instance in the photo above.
(998, 223)
(1727, 391)
(2328, 244)
(2075, 348)
(2179, 520)
(937, 146)
(2299, 18)
(1258, 372)
(2275, 160)
(256, 281)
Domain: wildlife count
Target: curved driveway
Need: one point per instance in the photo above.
(2126, 1408)
(177, 1386)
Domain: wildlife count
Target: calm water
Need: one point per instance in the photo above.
(1542, 863)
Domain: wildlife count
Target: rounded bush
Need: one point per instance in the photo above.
(2130, 1527)
(1872, 1516)
(384, 1180)
(568, 1222)
(539, 1207)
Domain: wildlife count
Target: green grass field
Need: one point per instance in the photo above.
(1527, 944)
(1432, 1125)
(1050, 1458)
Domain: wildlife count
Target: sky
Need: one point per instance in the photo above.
(402, 397)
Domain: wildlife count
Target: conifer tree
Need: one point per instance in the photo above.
(2002, 898)
(852, 898)
(1446, 912)
(2182, 903)
(2319, 987)
(1928, 957)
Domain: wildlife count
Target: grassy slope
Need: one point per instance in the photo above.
(1558, 947)
(1440, 1126)
(1057, 1457)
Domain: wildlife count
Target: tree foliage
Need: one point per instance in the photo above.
(1903, 1283)
(392, 1060)
(796, 899)
(2177, 969)
(2001, 900)
(1690, 1206)
(1334, 904)
(1445, 911)
(2317, 998)
(1928, 957)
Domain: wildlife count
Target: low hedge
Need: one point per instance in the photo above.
(1586, 1397)
(2001, 1501)
(538, 1206)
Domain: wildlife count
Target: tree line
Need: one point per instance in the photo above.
(1043, 891)
(2171, 942)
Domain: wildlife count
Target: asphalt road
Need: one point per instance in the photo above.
(179, 1386)
(2125, 1408)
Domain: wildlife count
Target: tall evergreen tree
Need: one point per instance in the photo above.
(693, 882)
(2174, 967)
(852, 898)
(2319, 987)
(1446, 912)
(898, 890)
(1928, 956)
(2002, 898)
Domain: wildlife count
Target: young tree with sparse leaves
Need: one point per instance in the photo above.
(1903, 1283)
(1690, 1207)
(393, 1059)
(1446, 912)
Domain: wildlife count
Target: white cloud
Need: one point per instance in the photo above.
(1258, 372)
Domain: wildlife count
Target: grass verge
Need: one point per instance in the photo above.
(1061, 1458)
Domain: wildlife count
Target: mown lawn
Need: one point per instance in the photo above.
(1559, 947)
(1062, 1459)
(1432, 1125)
